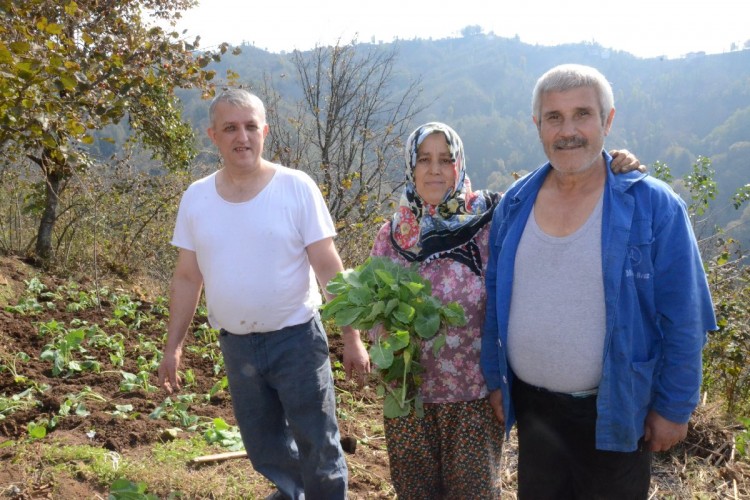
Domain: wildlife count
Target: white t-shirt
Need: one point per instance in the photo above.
(252, 255)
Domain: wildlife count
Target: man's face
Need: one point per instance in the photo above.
(571, 129)
(239, 134)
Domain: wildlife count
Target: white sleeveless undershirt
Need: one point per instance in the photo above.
(557, 315)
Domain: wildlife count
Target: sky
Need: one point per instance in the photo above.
(644, 28)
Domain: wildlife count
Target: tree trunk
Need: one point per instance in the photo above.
(47, 224)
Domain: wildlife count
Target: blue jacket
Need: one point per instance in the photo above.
(658, 305)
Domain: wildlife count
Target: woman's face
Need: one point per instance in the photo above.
(435, 172)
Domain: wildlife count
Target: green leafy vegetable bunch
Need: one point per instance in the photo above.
(380, 291)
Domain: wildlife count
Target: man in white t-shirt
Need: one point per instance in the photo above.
(256, 235)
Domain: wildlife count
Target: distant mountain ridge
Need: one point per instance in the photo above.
(671, 110)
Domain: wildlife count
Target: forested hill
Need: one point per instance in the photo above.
(671, 110)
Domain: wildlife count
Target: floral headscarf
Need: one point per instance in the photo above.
(422, 232)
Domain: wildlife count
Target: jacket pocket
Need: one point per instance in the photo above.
(639, 267)
(642, 383)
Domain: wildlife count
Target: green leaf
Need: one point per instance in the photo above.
(390, 306)
(453, 314)
(5, 55)
(36, 431)
(330, 309)
(427, 326)
(414, 288)
(20, 48)
(360, 296)
(419, 407)
(375, 312)
(404, 313)
(399, 339)
(385, 276)
(381, 353)
(346, 317)
(438, 344)
(392, 407)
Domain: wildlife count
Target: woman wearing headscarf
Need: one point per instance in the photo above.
(454, 450)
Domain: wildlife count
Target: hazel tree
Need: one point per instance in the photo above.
(71, 68)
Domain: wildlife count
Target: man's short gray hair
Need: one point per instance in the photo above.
(568, 77)
(240, 98)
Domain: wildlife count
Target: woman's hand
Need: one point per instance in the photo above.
(624, 161)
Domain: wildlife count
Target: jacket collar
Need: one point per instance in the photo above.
(532, 182)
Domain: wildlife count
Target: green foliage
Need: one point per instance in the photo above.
(701, 184)
(124, 489)
(71, 69)
(36, 298)
(136, 381)
(22, 401)
(63, 350)
(742, 439)
(11, 365)
(382, 293)
(223, 434)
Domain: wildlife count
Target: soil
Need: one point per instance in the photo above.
(705, 466)
(132, 437)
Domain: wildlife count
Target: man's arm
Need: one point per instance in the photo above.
(685, 313)
(326, 263)
(185, 291)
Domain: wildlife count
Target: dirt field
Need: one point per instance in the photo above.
(703, 468)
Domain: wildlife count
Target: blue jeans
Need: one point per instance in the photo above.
(283, 398)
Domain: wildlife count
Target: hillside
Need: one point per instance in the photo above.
(101, 426)
(668, 110)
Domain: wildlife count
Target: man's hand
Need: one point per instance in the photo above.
(169, 379)
(356, 359)
(624, 161)
(661, 434)
(496, 402)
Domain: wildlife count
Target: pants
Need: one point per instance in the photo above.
(283, 399)
(451, 453)
(557, 455)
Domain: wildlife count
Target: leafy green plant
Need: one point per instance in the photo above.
(11, 366)
(76, 402)
(114, 343)
(36, 298)
(742, 440)
(124, 489)
(51, 328)
(177, 411)
(37, 430)
(22, 401)
(62, 351)
(133, 381)
(381, 292)
(221, 385)
(725, 356)
(223, 434)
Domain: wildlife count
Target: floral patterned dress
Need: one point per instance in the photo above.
(454, 451)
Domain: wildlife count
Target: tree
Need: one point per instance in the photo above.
(72, 68)
(348, 129)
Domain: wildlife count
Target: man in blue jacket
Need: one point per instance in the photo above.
(597, 307)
